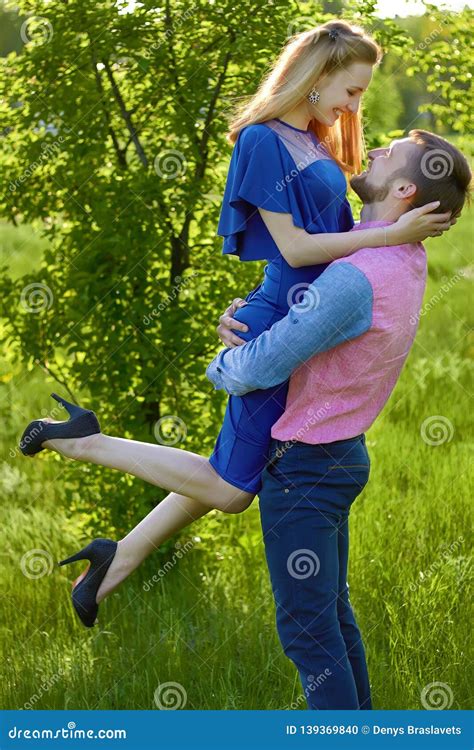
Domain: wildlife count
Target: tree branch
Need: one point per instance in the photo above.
(125, 114)
(174, 65)
(122, 161)
(202, 164)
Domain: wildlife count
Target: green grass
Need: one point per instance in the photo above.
(208, 624)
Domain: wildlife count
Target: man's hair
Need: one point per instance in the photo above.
(442, 173)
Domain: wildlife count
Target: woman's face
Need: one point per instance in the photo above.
(341, 92)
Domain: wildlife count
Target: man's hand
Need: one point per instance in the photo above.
(227, 323)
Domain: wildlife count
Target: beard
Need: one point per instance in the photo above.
(367, 192)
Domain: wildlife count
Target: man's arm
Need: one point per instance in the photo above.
(335, 308)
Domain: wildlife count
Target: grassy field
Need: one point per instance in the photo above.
(207, 625)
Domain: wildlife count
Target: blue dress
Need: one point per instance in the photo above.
(287, 170)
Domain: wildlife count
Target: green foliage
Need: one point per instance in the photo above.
(114, 151)
(445, 56)
(209, 623)
(133, 279)
(103, 237)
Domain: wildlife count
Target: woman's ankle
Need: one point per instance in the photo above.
(120, 568)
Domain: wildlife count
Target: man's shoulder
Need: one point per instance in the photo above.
(387, 264)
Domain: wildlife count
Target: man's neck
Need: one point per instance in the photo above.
(379, 212)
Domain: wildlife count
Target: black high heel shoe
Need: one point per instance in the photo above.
(100, 554)
(82, 422)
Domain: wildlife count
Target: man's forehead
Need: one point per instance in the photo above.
(399, 143)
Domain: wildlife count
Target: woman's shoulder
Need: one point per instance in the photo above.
(256, 133)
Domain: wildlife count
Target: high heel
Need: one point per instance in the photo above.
(82, 422)
(100, 553)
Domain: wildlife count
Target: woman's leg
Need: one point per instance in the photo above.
(172, 469)
(349, 628)
(167, 518)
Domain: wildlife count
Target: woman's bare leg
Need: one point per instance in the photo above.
(168, 517)
(172, 469)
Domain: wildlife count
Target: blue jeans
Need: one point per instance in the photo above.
(307, 491)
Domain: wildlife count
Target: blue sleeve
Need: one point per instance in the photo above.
(336, 307)
(346, 219)
(261, 174)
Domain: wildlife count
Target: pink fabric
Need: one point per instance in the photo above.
(338, 394)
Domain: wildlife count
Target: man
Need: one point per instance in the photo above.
(344, 346)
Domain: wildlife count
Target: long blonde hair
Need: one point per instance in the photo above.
(303, 61)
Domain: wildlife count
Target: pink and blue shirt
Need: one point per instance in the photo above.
(344, 344)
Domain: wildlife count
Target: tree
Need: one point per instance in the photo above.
(115, 145)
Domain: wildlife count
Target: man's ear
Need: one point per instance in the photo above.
(404, 190)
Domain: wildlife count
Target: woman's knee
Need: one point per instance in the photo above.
(228, 498)
(235, 502)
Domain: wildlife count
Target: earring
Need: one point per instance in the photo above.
(313, 96)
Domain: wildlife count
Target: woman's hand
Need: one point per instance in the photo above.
(227, 323)
(418, 224)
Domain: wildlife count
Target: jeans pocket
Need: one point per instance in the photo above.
(280, 469)
(348, 467)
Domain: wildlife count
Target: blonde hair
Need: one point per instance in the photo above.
(304, 60)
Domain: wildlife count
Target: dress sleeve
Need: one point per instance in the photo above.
(261, 174)
(346, 219)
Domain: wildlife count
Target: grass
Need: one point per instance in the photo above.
(208, 623)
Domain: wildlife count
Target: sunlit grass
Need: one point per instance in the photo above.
(208, 624)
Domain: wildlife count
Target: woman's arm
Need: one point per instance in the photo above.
(300, 248)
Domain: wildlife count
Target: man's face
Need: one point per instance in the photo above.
(386, 165)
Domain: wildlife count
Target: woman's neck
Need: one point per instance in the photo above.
(296, 117)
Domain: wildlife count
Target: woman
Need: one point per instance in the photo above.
(292, 142)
